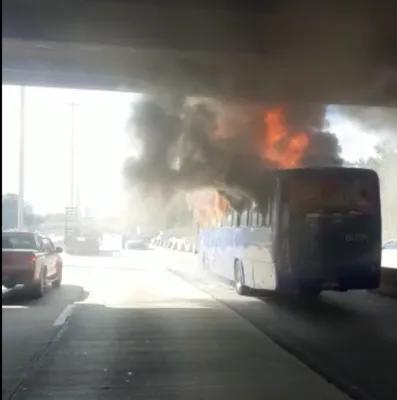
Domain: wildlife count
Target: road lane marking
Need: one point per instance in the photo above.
(64, 315)
(5, 290)
(5, 306)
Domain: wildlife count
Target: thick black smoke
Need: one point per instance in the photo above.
(214, 146)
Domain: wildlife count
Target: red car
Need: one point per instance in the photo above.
(31, 260)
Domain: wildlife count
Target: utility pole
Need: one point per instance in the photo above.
(72, 212)
(74, 189)
(72, 144)
(21, 191)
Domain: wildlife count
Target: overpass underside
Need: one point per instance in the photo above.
(329, 51)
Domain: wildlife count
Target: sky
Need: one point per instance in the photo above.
(355, 143)
(100, 149)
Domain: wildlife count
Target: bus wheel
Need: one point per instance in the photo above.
(241, 289)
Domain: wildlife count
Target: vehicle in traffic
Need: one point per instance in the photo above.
(316, 229)
(138, 243)
(389, 254)
(388, 283)
(83, 245)
(31, 260)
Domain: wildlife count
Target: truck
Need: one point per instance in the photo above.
(30, 260)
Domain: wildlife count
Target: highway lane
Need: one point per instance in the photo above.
(134, 330)
(351, 338)
(28, 326)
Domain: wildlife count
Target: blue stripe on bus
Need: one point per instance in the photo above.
(222, 237)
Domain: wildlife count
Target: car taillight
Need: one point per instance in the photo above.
(19, 259)
(23, 259)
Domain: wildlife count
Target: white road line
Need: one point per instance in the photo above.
(6, 306)
(64, 315)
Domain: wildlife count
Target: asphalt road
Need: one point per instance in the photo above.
(350, 338)
(29, 326)
(126, 327)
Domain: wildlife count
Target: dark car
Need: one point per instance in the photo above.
(137, 243)
(83, 245)
(31, 260)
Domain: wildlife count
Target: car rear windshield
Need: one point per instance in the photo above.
(18, 241)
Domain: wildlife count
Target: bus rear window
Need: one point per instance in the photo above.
(339, 193)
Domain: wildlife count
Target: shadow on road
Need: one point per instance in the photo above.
(101, 253)
(310, 308)
(162, 349)
(19, 297)
(349, 338)
(139, 249)
(110, 253)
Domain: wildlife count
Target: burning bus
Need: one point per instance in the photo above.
(307, 229)
(319, 229)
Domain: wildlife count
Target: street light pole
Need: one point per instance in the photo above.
(21, 190)
(72, 153)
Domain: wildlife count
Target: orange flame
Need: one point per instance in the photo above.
(208, 206)
(279, 147)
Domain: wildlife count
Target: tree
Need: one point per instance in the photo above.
(370, 118)
(10, 213)
(385, 164)
(381, 121)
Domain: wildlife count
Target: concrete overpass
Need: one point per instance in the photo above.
(328, 51)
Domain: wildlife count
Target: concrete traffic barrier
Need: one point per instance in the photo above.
(180, 244)
(388, 283)
(187, 247)
(177, 243)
